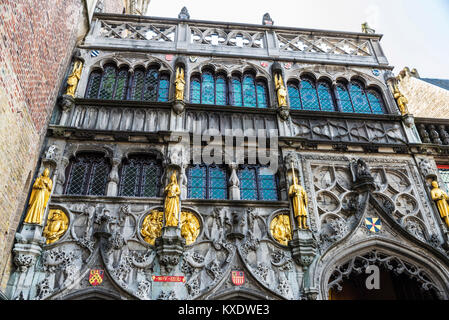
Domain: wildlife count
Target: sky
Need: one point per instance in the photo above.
(415, 32)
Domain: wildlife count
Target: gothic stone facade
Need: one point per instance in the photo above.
(104, 231)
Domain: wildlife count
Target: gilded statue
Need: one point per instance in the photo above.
(190, 227)
(401, 100)
(281, 229)
(172, 192)
(57, 224)
(180, 84)
(299, 202)
(152, 226)
(441, 198)
(39, 198)
(74, 78)
(280, 90)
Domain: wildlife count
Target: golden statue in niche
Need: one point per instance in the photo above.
(152, 226)
(281, 229)
(190, 227)
(172, 192)
(280, 90)
(57, 225)
(74, 78)
(39, 198)
(180, 84)
(299, 202)
(401, 100)
(441, 198)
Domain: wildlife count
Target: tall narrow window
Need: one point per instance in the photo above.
(197, 180)
(140, 177)
(87, 175)
(309, 96)
(195, 90)
(359, 98)
(138, 84)
(249, 91)
(164, 87)
(236, 92)
(293, 94)
(121, 85)
(207, 88)
(220, 91)
(444, 173)
(375, 102)
(257, 183)
(151, 85)
(93, 86)
(108, 82)
(248, 183)
(343, 98)
(207, 182)
(262, 98)
(325, 96)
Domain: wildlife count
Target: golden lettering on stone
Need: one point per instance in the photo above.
(280, 228)
(57, 225)
(401, 100)
(299, 202)
(74, 78)
(190, 227)
(39, 198)
(280, 90)
(441, 198)
(180, 84)
(171, 207)
(152, 226)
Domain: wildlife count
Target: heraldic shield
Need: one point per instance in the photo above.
(96, 277)
(238, 278)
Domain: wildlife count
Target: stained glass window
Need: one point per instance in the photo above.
(121, 85)
(344, 99)
(108, 82)
(93, 85)
(138, 84)
(236, 92)
(195, 90)
(375, 102)
(87, 175)
(140, 177)
(249, 91)
(309, 96)
(151, 85)
(325, 96)
(207, 182)
(257, 183)
(358, 97)
(164, 87)
(220, 91)
(293, 94)
(207, 88)
(262, 98)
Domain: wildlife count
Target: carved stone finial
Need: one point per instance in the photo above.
(266, 20)
(184, 14)
(366, 28)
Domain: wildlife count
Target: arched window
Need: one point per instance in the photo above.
(325, 97)
(220, 91)
(144, 85)
(249, 91)
(257, 183)
(236, 92)
(354, 98)
(309, 97)
(87, 174)
(293, 94)
(140, 177)
(207, 182)
(207, 88)
(262, 97)
(195, 90)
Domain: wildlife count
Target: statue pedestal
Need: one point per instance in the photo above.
(169, 248)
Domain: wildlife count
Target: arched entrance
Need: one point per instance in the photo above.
(388, 278)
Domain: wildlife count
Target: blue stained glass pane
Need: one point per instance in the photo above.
(293, 94)
(164, 86)
(344, 99)
(248, 186)
(208, 89)
(324, 93)
(309, 96)
(218, 194)
(197, 182)
(195, 91)
(262, 101)
(236, 92)
(220, 94)
(267, 185)
(217, 183)
(269, 194)
(249, 91)
(359, 99)
(375, 102)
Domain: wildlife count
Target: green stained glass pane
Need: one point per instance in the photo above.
(137, 85)
(217, 183)
(121, 86)
(108, 83)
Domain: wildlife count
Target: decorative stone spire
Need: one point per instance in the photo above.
(184, 14)
(266, 20)
(137, 7)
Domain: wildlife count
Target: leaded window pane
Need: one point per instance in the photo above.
(151, 85)
(77, 179)
(93, 85)
(249, 91)
(309, 96)
(140, 177)
(248, 184)
(444, 173)
(217, 183)
(207, 89)
(150, 180)
(220, 91)
(164, 87)
(267, 185)
(88, 175)
(343, 99)
(197, 182)
(236, 91)
(108, 83)
(121, 86)
(98, 182)
(262, 100)
(325, 96)
(295, 100)
(376, 103)
(195, 91)
(358, 97)
(137, 85)
(129, 180)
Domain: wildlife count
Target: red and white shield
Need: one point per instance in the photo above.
(238, 278)
(96, 277)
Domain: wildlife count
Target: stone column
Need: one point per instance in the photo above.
(113, 179)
